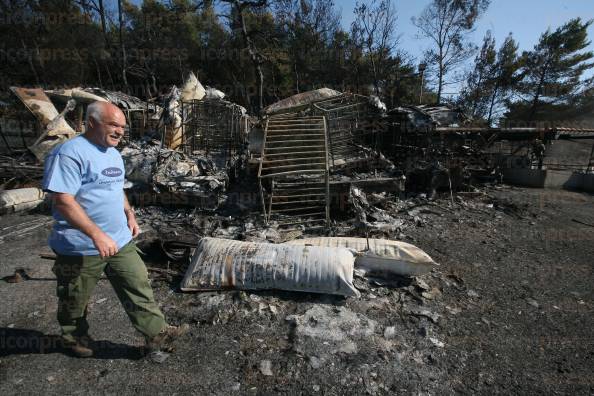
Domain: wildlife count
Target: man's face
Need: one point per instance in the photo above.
(110, 129)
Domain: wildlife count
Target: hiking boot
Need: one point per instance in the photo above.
(79, 346)
(164, 340)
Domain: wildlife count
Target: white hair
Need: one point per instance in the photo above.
(95, 111)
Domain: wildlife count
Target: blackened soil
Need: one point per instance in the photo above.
(513, 297)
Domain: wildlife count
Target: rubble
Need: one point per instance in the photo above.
(171, 119)
(392, 331)
(173, 115)
(340, 327)
(266, 368)
(335, 196)
(196, 178)
(55, 128)
(444, 115)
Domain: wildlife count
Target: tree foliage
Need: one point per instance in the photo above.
(255, 51)
(492, 80)
(260, 51)
(447, 24)
(374, 27)
(552, 73)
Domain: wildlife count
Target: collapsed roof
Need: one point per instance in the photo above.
(426, 117)
(296, 102)
(90, 95)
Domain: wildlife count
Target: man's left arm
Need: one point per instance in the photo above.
(132, 224)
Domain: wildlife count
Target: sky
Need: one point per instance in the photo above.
(526, 19)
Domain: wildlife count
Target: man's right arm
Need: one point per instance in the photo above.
(76, 216)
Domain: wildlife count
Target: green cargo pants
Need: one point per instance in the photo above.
(77, 277)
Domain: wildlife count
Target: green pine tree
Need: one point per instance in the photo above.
(552, 73)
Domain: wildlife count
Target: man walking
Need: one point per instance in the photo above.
(93, 232)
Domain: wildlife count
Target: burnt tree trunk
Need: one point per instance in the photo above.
(103, 23)
(122, 46)
(255, 55)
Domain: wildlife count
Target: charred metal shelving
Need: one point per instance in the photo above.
(348, 124)
(213, 126)
(294, 170)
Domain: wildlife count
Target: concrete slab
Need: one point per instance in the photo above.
(554, 179)
(525, 177)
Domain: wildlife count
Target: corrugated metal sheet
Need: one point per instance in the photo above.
(44, 110)
(293, 103)
(227, 264)
(392, 257)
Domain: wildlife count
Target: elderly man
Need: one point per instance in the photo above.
(93, 232)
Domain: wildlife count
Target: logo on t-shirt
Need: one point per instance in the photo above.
(111, 172)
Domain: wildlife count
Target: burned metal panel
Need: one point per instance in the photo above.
(445, 115)
(90, 95)
(44, 110)
(55, 129)
(300, 101)
(80, 94)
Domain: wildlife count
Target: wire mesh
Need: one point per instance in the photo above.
(350, 124)
(213, 126)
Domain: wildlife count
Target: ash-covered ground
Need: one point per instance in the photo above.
(508, 310)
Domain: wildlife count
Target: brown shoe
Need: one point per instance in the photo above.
(80, 347)
(164, 340)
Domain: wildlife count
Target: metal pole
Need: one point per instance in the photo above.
(422, 67)
(421, 93)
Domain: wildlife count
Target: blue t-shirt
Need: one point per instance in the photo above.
(94, 175)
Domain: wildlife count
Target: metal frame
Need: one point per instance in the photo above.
(347, 119)
(137, 120)
(285, 161)
(213, 125)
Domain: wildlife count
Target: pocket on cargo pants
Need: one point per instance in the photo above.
(76, 280)
(67, 270)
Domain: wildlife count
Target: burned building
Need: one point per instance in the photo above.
(307, 144)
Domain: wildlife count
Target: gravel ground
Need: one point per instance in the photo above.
(508, 310)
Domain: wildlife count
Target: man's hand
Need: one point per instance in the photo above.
(105, 245)
(132, 224)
